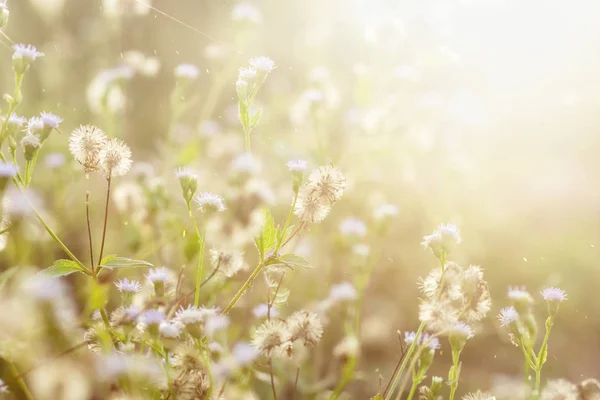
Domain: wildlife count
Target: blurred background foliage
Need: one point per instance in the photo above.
(480, 113)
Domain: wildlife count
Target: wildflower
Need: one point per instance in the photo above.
(85, 144)
(115, 158)
(152, 319)
(327, 184)
(385, 211)
(262, 64)
(353, 226)
(7, 171)
(228, 262)
(452, 289)
(246, 164)
(188, 181)
(34, 125)
(4, 13)
(297, 165)
(479, 395)
(261, 310)
(14, 123)
(23, 55)
(170, 329)
(241, 88)
(245, 12)
(459, 334)
(476, 294)
(519, 294)
(127, 286)
(246, 74)
(158, 275)
(187, 71)
(125, 315)
(442, 240)
(347, 348)
(187, 357)
(190, 315)
(215, 323)
(559, 389)
(344, 291)
(30, 144)
(50, 120)
(507, 316)
(210, 202)
(243, 353)
(270, 335)
(438, 315)
(305, 326)
(554, 295)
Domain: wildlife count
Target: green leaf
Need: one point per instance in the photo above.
(62, 268)
(122, 262)
(268, 237)
(378, 397)
(255, 119)
(293, 260)
(108, 258)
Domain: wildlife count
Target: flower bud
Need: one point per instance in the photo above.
(4, 13)
(31, 145)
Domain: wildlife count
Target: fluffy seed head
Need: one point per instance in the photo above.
(479, 395)
(560, 389)
(190, 315)
(229, 262)
(115, 158)
(170, 329)
(309, 208)
(85, 144)
(305, 326)
(327, 184)
(270, 335)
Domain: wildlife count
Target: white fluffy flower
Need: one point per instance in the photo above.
(127, 286)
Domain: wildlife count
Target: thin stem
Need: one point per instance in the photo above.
(89, 228)
(396, 368)
(287, 222)
(243, 289)
(296, 383)
(20, 381)
(293, 234)
(108, 180)
(455, 375)
(200, 268)
(272, 379)
(408, 356)
(413, 389)
(247, 136)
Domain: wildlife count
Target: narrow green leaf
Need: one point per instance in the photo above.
(62, 268)
(122, 262)
(293, 260)
(255, 119)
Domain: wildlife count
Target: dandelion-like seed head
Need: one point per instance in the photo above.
(85, 144)
(270, 335)
(508, 315)
(262, 64)
(462, 330)
(297, 165)
(553, 294)
(209, 202)
(560, 389)
(187, 71)
(115, 158)
(479, 395)
(438, 315)
(309, 208)
(305, 326)
(327, 183)
(125, 315)
(127, 286)
(229, 262)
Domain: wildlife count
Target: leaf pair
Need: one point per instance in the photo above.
(68, 267)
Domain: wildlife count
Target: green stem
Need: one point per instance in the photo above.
(243, 289)
(105, 219)
(409, 354)
(413, 389)
(20, 381)
(200, 268)
(541, 357)
(287, 223)
(247, 136)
